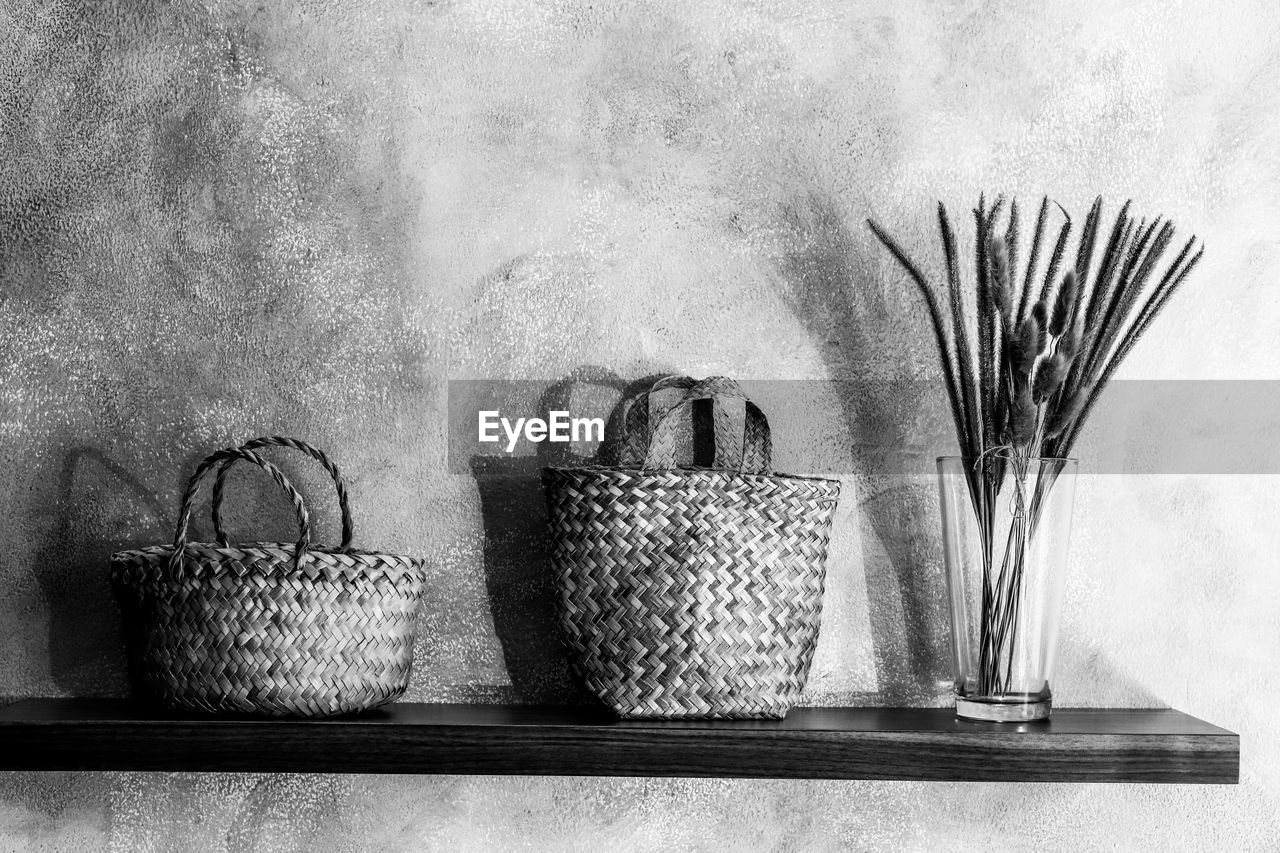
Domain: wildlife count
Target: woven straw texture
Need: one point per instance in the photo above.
(691, 593)
(268, 628)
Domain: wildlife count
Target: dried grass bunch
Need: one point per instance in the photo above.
(1025, 353)
(1025, 356)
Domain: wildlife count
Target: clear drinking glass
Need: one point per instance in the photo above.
(1006, 525)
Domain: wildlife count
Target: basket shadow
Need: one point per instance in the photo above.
(101, 508)
(519, 575)
(519, 581)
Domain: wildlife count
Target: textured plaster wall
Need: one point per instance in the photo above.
(221, 219)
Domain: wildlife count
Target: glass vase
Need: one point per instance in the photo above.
(1006, 525)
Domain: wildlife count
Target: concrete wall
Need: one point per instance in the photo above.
(222, 219)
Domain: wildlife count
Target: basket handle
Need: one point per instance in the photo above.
(755, 456)
(638, 409)
(193, 488)
(344, 502)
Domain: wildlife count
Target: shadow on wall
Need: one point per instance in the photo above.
(97, 498)
(835, 291)
(519, 578)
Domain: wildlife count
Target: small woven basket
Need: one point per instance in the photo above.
(267, 628)
(689, 592)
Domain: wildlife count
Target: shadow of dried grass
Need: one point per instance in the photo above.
(835, 290)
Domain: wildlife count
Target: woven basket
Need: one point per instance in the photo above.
(690, 592)
(267, 628)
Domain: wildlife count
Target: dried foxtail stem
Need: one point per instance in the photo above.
(966, 378)
(1028, 283)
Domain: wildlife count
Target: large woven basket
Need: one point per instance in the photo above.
(687, 592)
(267, 628)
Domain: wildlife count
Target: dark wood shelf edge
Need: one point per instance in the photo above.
(1076, 745)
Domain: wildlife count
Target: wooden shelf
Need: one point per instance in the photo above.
(1076, 745)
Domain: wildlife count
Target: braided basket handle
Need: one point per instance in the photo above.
(645, 406)
(193, 488)
(753, 456)
(344, 502)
